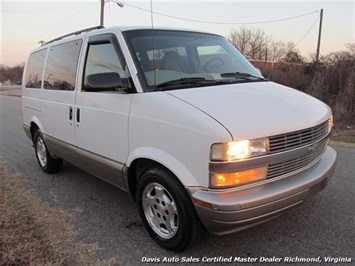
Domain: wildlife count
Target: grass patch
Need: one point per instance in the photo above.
(347, 136)
(347, 139)
(33, 233)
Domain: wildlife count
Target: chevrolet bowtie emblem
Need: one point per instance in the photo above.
(313, 147)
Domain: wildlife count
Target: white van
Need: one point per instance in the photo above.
(182, 122)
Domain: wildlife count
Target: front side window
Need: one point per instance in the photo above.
(177, 59)
(35, 69)
(102, 58)
(103, 61)
(61, 66)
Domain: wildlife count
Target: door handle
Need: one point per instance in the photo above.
(70, 113)
(78, 115)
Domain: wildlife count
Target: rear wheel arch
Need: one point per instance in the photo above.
(46, 161)
(35, 125)
(33, 129)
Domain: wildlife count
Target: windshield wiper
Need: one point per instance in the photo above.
(242, 75)
(182, 82)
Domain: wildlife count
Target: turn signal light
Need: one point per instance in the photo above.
(232, 179)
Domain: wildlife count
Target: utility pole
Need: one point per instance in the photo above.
(319, 35)
(121, 5)
(102, 13)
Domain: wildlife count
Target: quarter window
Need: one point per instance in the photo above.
(61, 66)
(35, 69)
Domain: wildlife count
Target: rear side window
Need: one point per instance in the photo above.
(61, 66)
(35, 69)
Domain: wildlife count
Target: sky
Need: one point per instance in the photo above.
(25, 23)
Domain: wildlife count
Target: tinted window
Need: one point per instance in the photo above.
(61, 66)
(102, 58)
(35, 69)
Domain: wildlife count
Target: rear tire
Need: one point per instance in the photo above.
(167, 211)
(47, 163)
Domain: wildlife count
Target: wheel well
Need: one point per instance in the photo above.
(33, 129)
(135, 171)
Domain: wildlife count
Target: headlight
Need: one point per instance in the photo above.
(236, 150)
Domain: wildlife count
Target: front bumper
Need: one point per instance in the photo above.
(239, 208)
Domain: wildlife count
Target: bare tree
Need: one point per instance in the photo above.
(277, 51)
(13, 74)
(253, 43)
(351, 48)
(258, 44)
(240, 39)
(292, 55)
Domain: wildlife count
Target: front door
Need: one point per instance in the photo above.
(102, 117)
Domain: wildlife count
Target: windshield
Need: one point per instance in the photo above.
(169, 59)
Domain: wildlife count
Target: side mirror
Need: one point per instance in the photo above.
(259, 71)
(110, 81)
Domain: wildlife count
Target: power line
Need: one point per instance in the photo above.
(218, 22)
(35, 39)
(304, 36)
(234, 23)
(109, 7)
(33, 16)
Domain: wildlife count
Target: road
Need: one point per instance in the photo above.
(322, 227)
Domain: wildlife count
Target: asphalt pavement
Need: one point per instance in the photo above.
(321, 230)
(10, 90)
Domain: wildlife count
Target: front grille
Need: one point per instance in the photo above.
(290, 153)
(297, 163)
(298, 139)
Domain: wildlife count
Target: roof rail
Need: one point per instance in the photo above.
(74, 33)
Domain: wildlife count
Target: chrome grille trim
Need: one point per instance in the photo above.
(298, 139)
(297, 164)
(290, 153)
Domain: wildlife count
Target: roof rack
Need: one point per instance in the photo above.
(75, 33)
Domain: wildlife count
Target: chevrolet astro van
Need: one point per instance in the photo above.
(182, 122)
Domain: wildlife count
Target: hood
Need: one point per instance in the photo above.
(257, 109)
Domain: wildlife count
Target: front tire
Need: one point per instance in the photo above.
(47, 163)
(167, 211)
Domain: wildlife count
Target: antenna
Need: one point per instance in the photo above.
(152, 24)
(151, 13)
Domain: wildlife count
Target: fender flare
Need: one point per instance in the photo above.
(35, 120)
(165, 159)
